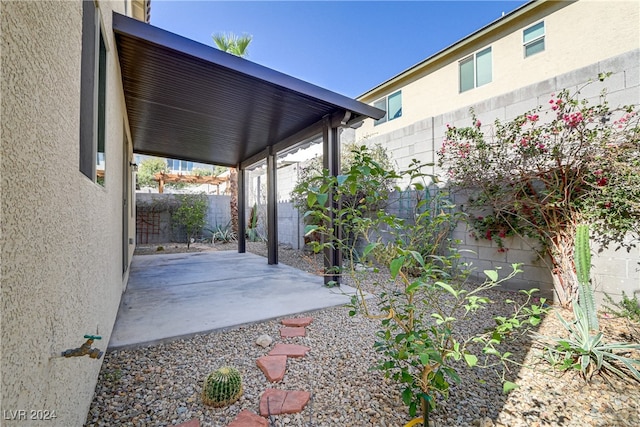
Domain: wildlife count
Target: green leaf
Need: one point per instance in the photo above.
(447, 287)
(438, 316)
(311, 199)
(508, 386)
(406, 396)
(308, 229)
(471, 360)
(492, 275)
(341, 179)
(396, 265)
(417, 257)
(322, 199)
(413, 286)
(367, 250)
(491, 351)
(424, 358)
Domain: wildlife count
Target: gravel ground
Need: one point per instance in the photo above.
(161, 385)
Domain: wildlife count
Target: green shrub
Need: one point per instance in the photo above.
(423, 301)
(191, 214)
(627, 307)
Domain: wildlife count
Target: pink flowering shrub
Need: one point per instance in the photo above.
(547, 170)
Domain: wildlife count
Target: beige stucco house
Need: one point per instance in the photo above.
(504, 69)
(67, 202)
(85, 84)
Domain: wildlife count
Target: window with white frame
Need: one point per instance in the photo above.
(392, 104)
(475, 70)
(533, 39)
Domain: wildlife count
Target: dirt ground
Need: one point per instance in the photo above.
(176, 248)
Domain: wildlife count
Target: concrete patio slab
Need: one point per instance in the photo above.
(178, 295)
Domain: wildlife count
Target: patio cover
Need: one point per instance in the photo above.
(186, 100)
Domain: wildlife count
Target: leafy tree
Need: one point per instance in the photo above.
(201, 172)
(217, 170)
(235, 45)
(349, 157)
(421, 339)
(548, 170)
(191, 214)
(148, 168)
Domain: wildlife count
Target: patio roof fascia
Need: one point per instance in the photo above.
(156, 41)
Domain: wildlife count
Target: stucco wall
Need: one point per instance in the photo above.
(577, 34)
(62, 242)
(613, 271)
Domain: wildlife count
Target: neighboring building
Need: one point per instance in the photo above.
(502, 70)
(67, 194)
(177, 166)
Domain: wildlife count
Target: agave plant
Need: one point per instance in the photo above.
(588, 353)
(582, 350)
(222, 234)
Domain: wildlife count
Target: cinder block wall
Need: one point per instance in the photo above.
(613, 271)
(218, 214)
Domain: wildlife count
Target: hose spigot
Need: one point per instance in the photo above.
(85, 349)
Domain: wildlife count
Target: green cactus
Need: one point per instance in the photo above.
(222, 387)
(582, 259)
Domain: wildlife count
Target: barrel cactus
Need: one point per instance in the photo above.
(222, 387)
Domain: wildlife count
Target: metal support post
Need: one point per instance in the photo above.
(242, 213)
(331, 161)
(272, 207)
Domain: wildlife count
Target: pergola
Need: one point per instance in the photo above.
(162, 178)
(186, 100)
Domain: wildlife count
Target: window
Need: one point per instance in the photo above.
(93, 92)
(475, 70)
(179, 166)
(392, 104)
(533, 39)
(102, 97)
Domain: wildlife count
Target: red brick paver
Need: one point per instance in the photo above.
(246, 418)
(275, 402)
(288, 332)
(191, 423)
(273, 367)
(291, 350)
(298, 321)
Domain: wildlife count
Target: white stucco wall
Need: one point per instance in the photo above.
(577, 35)
(62, 244)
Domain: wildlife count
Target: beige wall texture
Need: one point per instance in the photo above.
(582, 39)
(61, 242)
(577, 34)
(614, 271)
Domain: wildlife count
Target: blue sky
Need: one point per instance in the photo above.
(347, 47)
